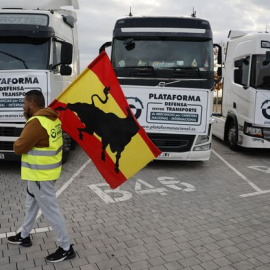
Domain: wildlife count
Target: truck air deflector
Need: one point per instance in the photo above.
(43, 5)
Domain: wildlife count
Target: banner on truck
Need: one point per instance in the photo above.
(262, 110)
(169, 110)
(13, 87)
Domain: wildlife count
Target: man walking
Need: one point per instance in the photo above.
(40, 145)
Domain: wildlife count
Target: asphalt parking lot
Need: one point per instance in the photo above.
(170, 215)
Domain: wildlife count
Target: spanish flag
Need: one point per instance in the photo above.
(94, 112)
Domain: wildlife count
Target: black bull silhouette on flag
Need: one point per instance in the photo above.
(114, 131)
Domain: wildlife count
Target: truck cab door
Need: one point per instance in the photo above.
(242, 98)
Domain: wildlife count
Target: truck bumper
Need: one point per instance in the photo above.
(9, 156)
(253, 142)
(186, 156)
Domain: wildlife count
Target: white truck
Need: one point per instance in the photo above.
(165, 68)
(242, 119)
(38, 50)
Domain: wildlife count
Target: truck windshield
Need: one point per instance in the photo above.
(262, 72)
(23, 53)
(162, 54)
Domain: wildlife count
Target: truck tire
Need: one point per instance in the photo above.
(65, 156)
(66, 147)
(232, 136)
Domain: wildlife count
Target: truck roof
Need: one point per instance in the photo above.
(235, 34)
(40, 4)
(241, 44)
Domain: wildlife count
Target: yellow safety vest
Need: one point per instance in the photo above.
(44, 164)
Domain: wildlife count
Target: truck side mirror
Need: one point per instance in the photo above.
(238, 71)
(65, 70)
(238, 76)
(104, 46)
(66, 53)
(129, 44)
(267, 59)
(238, 63)
(219, 58)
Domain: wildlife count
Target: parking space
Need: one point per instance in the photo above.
(170, 215)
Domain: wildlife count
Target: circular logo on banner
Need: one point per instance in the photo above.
(135, 105)
(266, 109)
(53, 133)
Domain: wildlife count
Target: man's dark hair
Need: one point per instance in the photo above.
(37, 97)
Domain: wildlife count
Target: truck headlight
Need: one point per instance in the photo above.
(252, 131)
(204, 147)
(202, 139)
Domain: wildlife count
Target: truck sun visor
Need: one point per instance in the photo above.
(31, 31)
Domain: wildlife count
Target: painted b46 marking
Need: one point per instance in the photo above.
(141, 187)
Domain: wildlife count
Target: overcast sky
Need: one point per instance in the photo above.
(96, 18)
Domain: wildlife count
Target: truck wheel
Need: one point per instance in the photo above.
(66, 147)
(65, 156)
(232, 136)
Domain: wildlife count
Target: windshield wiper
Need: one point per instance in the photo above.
(185, 68)
(139, 67)
(186, 71)
(15, 57)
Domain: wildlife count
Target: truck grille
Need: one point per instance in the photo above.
(6, 146)
(172, 142)
(10, 132)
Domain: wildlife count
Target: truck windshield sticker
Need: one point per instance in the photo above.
(35, 19)
(161, 110)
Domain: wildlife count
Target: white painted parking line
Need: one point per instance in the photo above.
(33, 231)
(58, 193)
(260, 168)
(255, 193)
(60, 190)
(258, 191)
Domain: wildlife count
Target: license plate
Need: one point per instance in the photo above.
(164, 154)
(2, 156)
